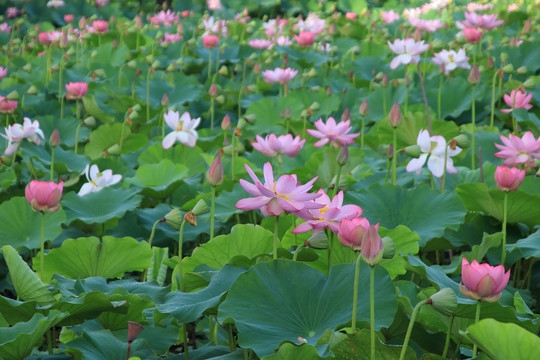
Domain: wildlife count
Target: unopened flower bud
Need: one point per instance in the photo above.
(329, 91)
(214, 175)
(343, 155)
(474, 75)
(89, 122)
(346, 115)
(287, 113)
(190, 218)
(213, 90)
(509, 68)
(490, 62)
(226, 123)
(444, 301)
(165, 100)
(407, 80)
(317, 241)
(394, 118)
(174, 218)
(385, 81)
(372, 246)
(200, 208)
(364, 108)
(522, 70)
(54, 140)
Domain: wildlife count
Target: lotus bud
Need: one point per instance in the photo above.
(413, 151)
(346, 115)
(89, 122)
(54, 139)
(474, 75)
(522, 70)
(132, 64)
(226, 123)
(343, 155)
(372, 246)
(395, 115)
(223, 71)
(114, 150)
(134, 330)
(317, 241)
(509, 68)
(213, 90)
(257, 68)
(287, 113)
(165, 100)
(490, 62)
(444, 301)
(462, 141)
(364, 108)
(238, 67)
(214, 175)
(14, 95)
(174, 219)
(200, 208)
(385, 81)
(527, 26)
(315, 106)
(328, 91)
(388, 247)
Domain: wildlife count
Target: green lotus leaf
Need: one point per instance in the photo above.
(159, 180)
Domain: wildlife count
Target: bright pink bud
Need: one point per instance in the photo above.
(213, 90)
(346, 115)
(472, 35)
(351, 232)
(214, 175)
(364, 108)
(165, 100)
(226, 123)
(76, 90)
(482, 281)
(305, 38)
(100, 26)
(7, 106)
(372, 246)
(44, 196)
(395, 115)
(68, 18)
(351, 15)
(508, 179)
(210, 41)
(54, 140)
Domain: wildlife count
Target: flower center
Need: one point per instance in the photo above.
(323, 210)
(179, 127)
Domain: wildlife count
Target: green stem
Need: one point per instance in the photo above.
(212, 113)
(147, 95)
(505, 216)
(297, 251)
(42, 253)
(406, 100)
(439, 97)
(476, 319)
(384, 99)
(77, 137)
(186, 341)
(232, 345)
(49, 340)
(444, 169)
(120, 78)
(338, 177)
(425, 98)
(330, 244)
(143, 278)
(276, 228)
(355, 290)
(209, 63)
(232, 156)
(362, 133)
(48, 73)
(180, 245)
(493, 98)
(409, 329)
(212, 211)
(394, 158)
(448, 335)
(372, 309)
(52, 162)
(473, 128)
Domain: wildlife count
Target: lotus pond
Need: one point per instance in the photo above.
(293, 179)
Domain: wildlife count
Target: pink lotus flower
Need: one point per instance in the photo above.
(305, 38)
(210, 41)
(68, 18)
(479, 7)
(183, 129)
(327, 217)
(214, 175)
(517, 100)
(283, 41)
(482, 282)
(274, 197)
(472, 35)
(5, 28)
(279, 75)
(260, 43)
(508, 179)
(215, 26)
(449, 60)
(352, 231)
(167, 18)
(44, 196)
(76, 90)
(313, 24)
(214, 4)
(333, 133)
(273, 145)
(485, 22)
(99, 27)
(351, 15)
(12, 12)
(519, 151)
(434, 147)
(426, 25)
(389, 16)
(49, 37)
(101, 3)
(3, 71)
(7, 106)
(171, 38)
(372, 246)
(408, 51)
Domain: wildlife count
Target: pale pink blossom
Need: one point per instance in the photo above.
(305, 38)
(261, 43)
(351, 15)
(55, 3)
(284, 41)
(279, 75)
(434, 147)
(449, 60)
(508, 179)
(485, 22)
(482, 281)
(7, 106)
(426, 25)
(210, 41)
(49, 37)
(389, 16)
(517, 100)
(12, 12)
(171, 38)
(76, 90)
(5, 28)
(518, 150)
(215, 27)
(274, 197)
(98, 27)
(335, 134)
(214, 4)
(44, 196)
(408, 51)
(312, 24)
(512, 7)
(183, 129)
(327, 217)
(472, 6)
(166, 18)
(101, 3)
(352, 231)
(97, 180)
(273, 145)
(3, 71)
(16, 133)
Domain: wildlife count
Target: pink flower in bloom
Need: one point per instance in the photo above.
(101, 3)
(214, 4)
(450, 60)
(99, 27)
(76, 90)
(508, 179)
(434, 147)
(260, 43)
(274, 197)
(478, 7)
(273, 145)
(283, 41)
(68, 18)
(44, 196)
(305, 38)
(12, 12)
(482, 281)
(327, 217)
(352, 231)
(31, 131)
(5, 28)
(426, 25)
(408, 51)
(3, 71)
(7, 106)
(183, 129)
(55, 3)
(210, 41)
(517, 100)
(351, 15)
(389, 16)
(333, 133)
(215, 27)
(49, 37)
(485, 22)
(312, 24)
(167, 18)
(171, 38)
(519, 151)
(472, 35)
(279, 75)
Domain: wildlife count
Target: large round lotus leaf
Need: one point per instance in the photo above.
(424, 210)
(281, 300)
(100, 206)
(159, 180)
(21, 226)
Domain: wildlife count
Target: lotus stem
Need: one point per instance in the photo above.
(425, 98)
(209, 63)
(362, 133)
(77, 137)
(42, 253)
(493, 97)
(185, 341)
(180, 245)
(394, 157)
(409, 329)
(473, 150)
(372, 309)
(232, 345)
(52, 162)
(505, 218)
(444, 170)
(276, 229)
(338, 177)
(476, 319)
(212, 212)
(448, 335)
(355, 294)
(297, 251)
(143, 277)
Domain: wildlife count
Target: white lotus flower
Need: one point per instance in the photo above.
(98, 180)
(184, 129)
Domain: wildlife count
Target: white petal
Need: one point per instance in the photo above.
(87, 189)
(436, 165)
(169, 140)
